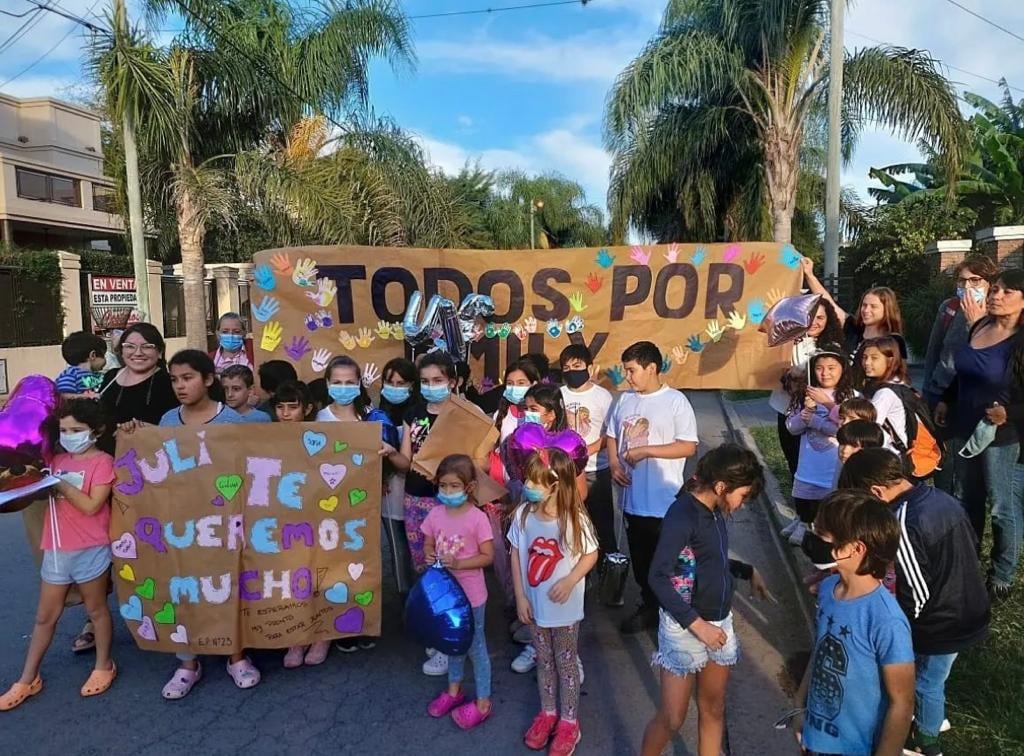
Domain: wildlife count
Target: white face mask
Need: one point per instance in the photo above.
(76, 443)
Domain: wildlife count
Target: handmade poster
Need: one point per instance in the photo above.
(701, 304)
(461, 429)
(237, 536)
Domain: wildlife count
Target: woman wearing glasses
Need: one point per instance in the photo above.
(141, 390)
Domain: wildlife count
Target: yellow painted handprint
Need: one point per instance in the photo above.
(384, 329)
(365, 337)
(271, 339)
(346, 340)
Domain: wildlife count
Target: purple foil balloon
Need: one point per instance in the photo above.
(789, 318)
(530, 437)
(26, 424)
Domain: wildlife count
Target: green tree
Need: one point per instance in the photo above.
(709, 121)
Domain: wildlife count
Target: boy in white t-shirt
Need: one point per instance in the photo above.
(587, 406)
(651, 432)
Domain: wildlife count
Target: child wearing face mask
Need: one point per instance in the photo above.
(398, 394)
(519, 376)
(76, 549)
(459, 535)
(231, 346)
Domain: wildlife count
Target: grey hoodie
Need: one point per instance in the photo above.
(939, 369)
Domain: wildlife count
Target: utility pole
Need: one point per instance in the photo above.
(133, 187)
(535, 205)
(835, 110)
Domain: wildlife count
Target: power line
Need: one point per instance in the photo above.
(41, 58)
(500, 9)
(22, 30)
(988, 21)
(69, 16)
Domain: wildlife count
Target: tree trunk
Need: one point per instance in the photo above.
(782, 174)
(191, 234)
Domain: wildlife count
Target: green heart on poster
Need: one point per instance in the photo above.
(228, 485)
(166, 615)
(147, 589)
(364, 598)
(357, 496)
(340, 446)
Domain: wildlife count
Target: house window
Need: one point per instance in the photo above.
(103, 199)
(46, 188)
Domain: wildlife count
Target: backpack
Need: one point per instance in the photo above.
(949, 310)
(924, 449)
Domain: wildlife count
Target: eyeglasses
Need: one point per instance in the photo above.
(973, 281)
(144, 348)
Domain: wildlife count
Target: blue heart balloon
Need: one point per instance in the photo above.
(438, 614)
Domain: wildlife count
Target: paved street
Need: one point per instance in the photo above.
(374, 701)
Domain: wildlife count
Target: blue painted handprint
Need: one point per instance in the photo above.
(616, 375)
(694, 343)
(698, 257)
(264, 278)
(604, 259)
(789, 257)
(266, 309)
(756, 311)
(666, 364)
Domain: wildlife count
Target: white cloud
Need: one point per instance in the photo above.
(464, 121)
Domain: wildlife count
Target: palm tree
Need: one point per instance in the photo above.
(709, 121)
(241, 74)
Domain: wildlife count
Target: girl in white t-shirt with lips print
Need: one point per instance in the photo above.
(553, 549)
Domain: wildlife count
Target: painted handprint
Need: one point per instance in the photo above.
(324, 318)
(714, 331)
(298, 348)
(486, 384)
(594, 282)
(397, 331)
(530, 324)
(736, 321)
(672, 253)
(320, 359)
(640, 255)
(365, 337)
(773, 296)
(264, 278)
(666, 364)
(504, 330)
(789, 257)
(575, 325)
(553, 328)
(518, 331)
(311, 322)
(305, 273)
(694, 344)
(325, 292)
(680, 355)
(605, 259)
(282, 264)
(266, 309)
(383, 329)
(371, 374)
(755, 311)
(478, 332)
(731, 252)
(346, 340)
(491, 330)
(698, 257)
(616, 375)
(576, 301)
(271, 338)
(753, 263)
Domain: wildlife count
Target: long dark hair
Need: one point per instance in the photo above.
(732, 465)
(843, 389)
(362, 403)
(527, 368)
(202, 363)
(832, 333)
(407, 372)
(550, 398)
(1014, 279)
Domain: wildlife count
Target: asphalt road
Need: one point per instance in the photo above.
(373, 702)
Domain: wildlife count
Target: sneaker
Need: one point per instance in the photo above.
(789, 527)
(567, 737)
(346, 645)
(945, 726)
(644, 618)
(796, 536)
(921, 744)
(523, 635)
(436, 665)
(365, 643)
(997, 594)
(431, 652)
(579, 666)
(526, 660)
(540, 731)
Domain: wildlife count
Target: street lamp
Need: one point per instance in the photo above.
(535, 205)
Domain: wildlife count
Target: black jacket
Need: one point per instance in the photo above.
(938, 578)
(691, 573)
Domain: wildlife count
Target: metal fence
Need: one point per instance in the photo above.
(31, 313)
(172, 289)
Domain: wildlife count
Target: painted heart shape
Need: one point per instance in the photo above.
(530, 437)
(166, 615)
(340, 446)
(127, 573)
(228, 485)
(217, 501)
(146, 589)
(125, 547)
(329, 504)
(357, 496)
(313, 442)
(146, 630)
(364, 598)
(132, 609)
(355, 570)
(337, 593)
(350, 622)
(357, 459)
(180, 635)
(333, 474)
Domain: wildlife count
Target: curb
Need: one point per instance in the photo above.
(777, 507)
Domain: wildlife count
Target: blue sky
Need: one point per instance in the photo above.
(526, 88)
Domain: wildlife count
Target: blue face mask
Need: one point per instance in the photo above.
(343, 394)
(453, 500)
(534, 495)
(434, 394)
(532, 417)
(395, 394)
(516, 394)
(230, 342)
(977, 294)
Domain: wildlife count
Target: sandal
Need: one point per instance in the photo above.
(182, 682)
(84, 641)
(469, 715)
(317, 653)
(293, 659)
(19, 693)
(444, 703)
(244, 673)
(99, 681)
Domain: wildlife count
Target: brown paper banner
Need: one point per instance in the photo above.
(248, 536)
(700, 304)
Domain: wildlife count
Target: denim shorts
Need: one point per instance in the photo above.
(681, 653)
(79, 566)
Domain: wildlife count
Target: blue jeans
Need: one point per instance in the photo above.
(995, 477)
(478, 654)
(930, 691)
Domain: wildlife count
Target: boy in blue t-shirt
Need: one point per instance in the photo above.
(860, 683)
(86, 355)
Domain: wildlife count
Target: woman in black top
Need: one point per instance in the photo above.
(141, 390)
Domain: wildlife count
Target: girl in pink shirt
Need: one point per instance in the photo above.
(76, 548)
(459, 535)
